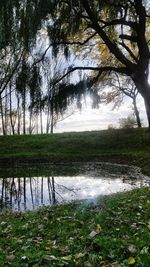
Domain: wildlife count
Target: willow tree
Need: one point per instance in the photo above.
(116, 32)
(119, 28)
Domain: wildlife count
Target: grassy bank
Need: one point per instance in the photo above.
(113, 232)
(123, 146)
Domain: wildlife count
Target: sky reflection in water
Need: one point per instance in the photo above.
(21, 194)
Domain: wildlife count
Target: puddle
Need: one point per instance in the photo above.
(28, 193)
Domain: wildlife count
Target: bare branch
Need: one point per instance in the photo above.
(121, 21)
(129, 51)
(110, 44)
(8, 94)
(42, 57)
(122, 70)
(128, 37)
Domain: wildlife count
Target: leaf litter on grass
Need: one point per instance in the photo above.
(120, 234)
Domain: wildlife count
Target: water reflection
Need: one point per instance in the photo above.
(28, 193)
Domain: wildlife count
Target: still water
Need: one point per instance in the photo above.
(28, 193)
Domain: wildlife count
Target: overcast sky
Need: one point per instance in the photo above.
(97, 119)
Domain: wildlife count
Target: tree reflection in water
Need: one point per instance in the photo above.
(27, 193)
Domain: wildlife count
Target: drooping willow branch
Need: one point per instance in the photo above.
(64, 43)
(122, 70)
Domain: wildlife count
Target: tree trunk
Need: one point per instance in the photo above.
(147, 106)
(10, 112)
(6, 114)
(52, 124)
(24, 193)
(53, 191)
(41, 120)
(144, 89)
(137, 114)
(2, 115)
(37, 124)
(24, 110)
(48, 119)
(18, 114)
(52, 117)
(30, 120)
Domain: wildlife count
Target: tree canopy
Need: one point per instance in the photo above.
(111, 36)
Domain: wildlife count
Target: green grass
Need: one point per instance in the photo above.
(120, 146)
(61, 235)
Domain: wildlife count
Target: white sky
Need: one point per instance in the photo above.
(97, 119)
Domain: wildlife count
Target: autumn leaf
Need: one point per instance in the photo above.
(10, 258)
(51, 244)
(98, 228)
(148, 225)
(79, 255)
(131, 260)
(65, 249)
(48, 258)
(3, 223)
(23, 258)
(132, 248)
(104, 264)
(67, 258)
(24, 248)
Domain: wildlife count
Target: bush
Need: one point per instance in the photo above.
(111, 127)
(127, 123)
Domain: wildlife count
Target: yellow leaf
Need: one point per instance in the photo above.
(131, 260)
(148, 225)
(98, 228)
(79, 255)
(48, 258)
(64, 249)
(67, 258)
(104, 264)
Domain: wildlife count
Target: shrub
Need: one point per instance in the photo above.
(127, 123)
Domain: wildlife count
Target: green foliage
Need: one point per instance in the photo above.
(23, 75)
(7, 21)
(20, 21)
